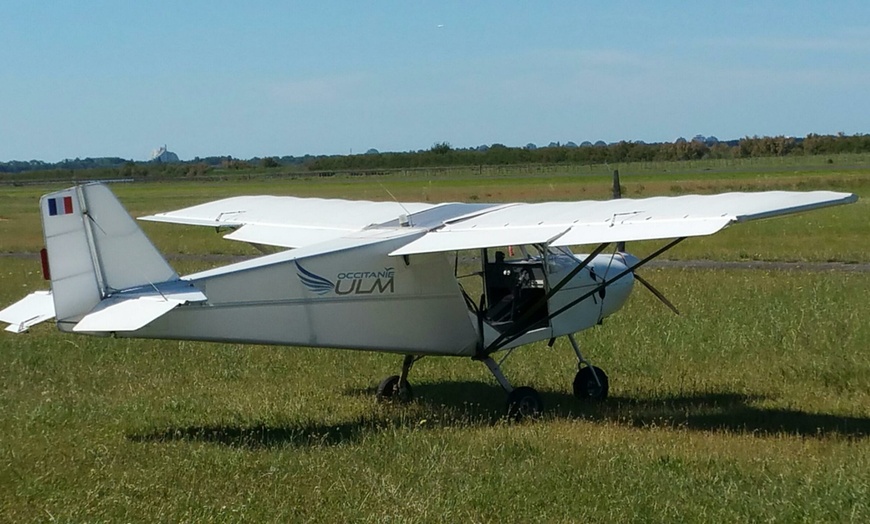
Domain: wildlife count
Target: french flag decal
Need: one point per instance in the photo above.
(60, 206)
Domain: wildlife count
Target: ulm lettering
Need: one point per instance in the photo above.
(357, 286)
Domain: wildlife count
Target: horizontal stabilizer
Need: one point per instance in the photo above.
(129, 313)
(31, 310)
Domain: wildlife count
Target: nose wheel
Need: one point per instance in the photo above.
(590, 382)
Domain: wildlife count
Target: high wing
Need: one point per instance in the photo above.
(287, 221)
(595, 222)
(294, 222)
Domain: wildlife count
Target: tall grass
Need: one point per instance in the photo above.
(752, 405)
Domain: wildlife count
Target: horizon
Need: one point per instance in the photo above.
(585, 143)
(99, 79)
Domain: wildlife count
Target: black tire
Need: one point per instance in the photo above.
(586, 387)
(390, 389)
(524, 403)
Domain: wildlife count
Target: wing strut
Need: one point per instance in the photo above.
(517, 332)
(524, 321)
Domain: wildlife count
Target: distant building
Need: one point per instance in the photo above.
(163, 155)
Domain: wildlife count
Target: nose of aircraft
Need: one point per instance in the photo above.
(618, 291)
(628, 259)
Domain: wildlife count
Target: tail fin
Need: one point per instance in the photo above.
(94, 249)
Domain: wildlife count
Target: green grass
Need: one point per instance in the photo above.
(754, 405)
(751, 406)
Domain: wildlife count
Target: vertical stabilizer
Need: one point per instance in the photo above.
(94, 249)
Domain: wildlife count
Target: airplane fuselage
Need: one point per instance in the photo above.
(355, 296)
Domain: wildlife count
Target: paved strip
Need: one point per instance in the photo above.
(760, 264)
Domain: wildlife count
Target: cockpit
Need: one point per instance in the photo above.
(514, 289)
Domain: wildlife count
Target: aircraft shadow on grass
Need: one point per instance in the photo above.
(473, 404)
(264, 436)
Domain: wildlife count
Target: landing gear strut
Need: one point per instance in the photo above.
(590, 382)
(396, 387)
(523, 402)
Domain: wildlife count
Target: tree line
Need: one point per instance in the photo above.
(444, 155)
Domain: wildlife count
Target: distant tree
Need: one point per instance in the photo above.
(441, 148)
(128, 169)
(269, 162)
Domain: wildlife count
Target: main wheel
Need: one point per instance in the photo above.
(585, 385)
(524, 403)
(391, 389)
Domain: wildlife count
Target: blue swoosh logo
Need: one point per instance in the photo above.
(315, 283)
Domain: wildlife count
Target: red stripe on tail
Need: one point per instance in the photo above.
(46, 272)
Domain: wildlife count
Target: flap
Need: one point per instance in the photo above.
(644, 230)
(454, 239)
(306, 220)
(284, 236)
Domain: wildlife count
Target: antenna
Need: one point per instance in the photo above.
(405, 219)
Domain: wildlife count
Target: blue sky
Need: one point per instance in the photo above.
(119, 78)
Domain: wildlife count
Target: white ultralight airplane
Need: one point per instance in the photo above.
(377, 276)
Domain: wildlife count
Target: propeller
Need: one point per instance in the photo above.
(620, 247)
(617, 194)
(659, 295)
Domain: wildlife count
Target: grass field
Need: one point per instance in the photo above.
(754, 405)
